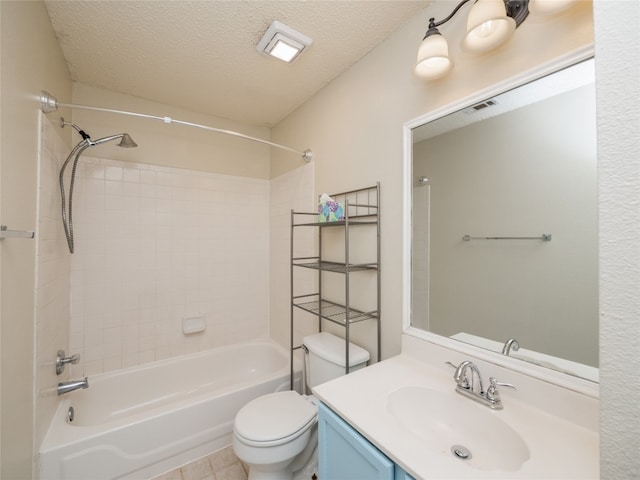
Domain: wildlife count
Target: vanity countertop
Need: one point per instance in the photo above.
(558, 448)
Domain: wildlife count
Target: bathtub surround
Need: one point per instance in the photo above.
(142, 421)
(156, 245)
(53, 277)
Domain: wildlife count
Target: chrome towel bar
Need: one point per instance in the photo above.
(545, 237)
(6, 233)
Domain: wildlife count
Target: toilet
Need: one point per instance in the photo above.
(276, 434)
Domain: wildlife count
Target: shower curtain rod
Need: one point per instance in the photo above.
(50, 104)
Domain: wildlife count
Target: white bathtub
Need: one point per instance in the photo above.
(139, 422)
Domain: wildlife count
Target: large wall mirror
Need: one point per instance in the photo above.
(504, 227)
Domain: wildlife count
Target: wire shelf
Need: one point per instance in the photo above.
(338, 223)
(334, 312)
(337, 267)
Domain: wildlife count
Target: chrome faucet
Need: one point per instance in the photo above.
(511, 344)
(62, 360)
(465, 376)
(462, 378)
(66, 387)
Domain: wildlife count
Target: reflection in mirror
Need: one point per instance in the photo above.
(504, 221)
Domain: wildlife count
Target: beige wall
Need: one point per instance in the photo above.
(170, 145)
(31, 61)
(354, 125)
(618, 109)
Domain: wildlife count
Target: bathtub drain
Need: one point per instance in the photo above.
(461, 452)
(70, 414)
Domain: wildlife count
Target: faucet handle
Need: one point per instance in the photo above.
(459, 376)
(62, 360)
(492, 392)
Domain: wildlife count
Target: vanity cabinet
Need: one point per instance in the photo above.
(344, 454)
(358, 223)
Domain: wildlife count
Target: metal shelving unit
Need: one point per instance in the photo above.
(361, 210)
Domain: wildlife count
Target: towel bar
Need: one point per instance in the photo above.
(6, 233)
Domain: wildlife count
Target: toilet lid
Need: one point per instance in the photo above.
(274, 416)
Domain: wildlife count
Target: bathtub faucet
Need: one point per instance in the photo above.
(66, 387)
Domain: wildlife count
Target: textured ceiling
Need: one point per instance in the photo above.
(201, 55)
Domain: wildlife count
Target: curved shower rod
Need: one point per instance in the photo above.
(50, 104)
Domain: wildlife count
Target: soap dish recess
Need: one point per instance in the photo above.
(193, 324)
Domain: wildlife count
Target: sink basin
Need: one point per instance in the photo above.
(451, 425)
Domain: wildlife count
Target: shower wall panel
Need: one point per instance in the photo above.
(53, 277)
(155, 245)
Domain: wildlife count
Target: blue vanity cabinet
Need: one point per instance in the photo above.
(402, 475)
(344, 454)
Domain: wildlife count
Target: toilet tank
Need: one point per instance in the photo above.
(325, 358)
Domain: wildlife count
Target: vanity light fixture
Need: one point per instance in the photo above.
(490, 23)
(283, 42)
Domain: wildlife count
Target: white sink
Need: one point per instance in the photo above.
(456, 427)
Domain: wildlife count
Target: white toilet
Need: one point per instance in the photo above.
(276, 434)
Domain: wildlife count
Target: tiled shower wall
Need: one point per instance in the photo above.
(154, 245)
(53, 272)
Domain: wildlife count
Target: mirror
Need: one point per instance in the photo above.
(504, 223)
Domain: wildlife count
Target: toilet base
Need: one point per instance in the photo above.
(307, 471)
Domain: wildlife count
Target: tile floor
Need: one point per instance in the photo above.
(224, 465)
(221, 465)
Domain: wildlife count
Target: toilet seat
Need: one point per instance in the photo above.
(274, 419)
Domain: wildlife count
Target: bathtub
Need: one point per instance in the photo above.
(139, 422)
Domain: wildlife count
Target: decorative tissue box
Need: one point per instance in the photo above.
(330, 211)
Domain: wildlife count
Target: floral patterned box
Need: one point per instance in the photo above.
(330, 211)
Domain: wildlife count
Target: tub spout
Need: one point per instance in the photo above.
(66, 387)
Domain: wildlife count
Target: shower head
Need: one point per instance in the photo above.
(125, 142)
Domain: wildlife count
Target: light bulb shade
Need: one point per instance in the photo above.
(488, 26)
(549, 7)
(433, 58)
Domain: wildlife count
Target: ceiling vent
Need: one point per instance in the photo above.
(283, 42)
(480, 106)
